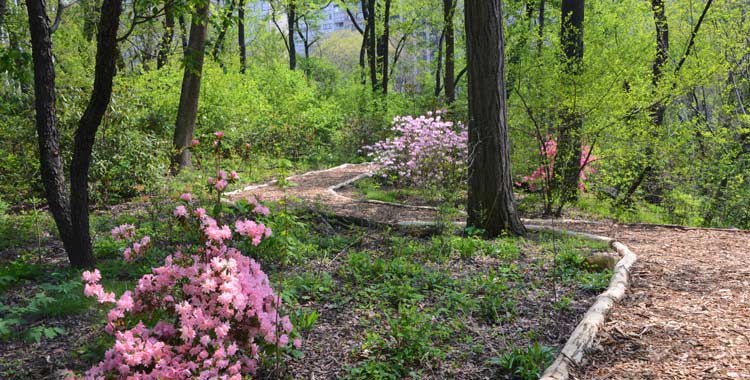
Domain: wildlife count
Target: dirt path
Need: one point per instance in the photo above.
(687, 315)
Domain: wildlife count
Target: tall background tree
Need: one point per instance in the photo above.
(490, 202)
(187, 111)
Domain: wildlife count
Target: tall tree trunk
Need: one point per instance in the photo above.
(90, 14)
(3, 8)
(191, 87)
(490, 198)
(241, 35)
(372, 45)
(104, 73)
(291, 14)
(167, 37)
(50, 157)
(384, 46)
(568, 158)
(225, 22)
(183, 33)
(449, 8)
(439, 66)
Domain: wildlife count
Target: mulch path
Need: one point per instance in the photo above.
(687, 315)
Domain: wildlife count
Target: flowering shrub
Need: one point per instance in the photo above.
(426, 150)
(543, 174)
(208, 312)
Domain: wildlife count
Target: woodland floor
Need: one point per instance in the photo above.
(687, 315)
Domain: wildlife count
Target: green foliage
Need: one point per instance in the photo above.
(408, 342)
(525, 364)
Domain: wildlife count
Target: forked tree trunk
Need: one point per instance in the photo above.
(104, 73)
(50, 157)
(241, 35)
(490, 198)
(568, 158)
(167, 37)
(449, 8)
(191, 87)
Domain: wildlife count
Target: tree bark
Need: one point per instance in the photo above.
(241, 35)
(568, 158)
(183, 33)
(191, 87)
(384, 46)
(439, 66)
(50, 159)
(167, 37)
(3, 8)
(291, 14)
(490, 197)
(104, 72)
(225, 22)
(449, 8)
(372, 44)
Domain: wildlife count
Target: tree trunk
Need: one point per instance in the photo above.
(449, 8)
(384, 46)
(3, 8)
(191, 87)
(104, 73)
(167, 37)
(50, 159)
(183, 33)
(90, 13)
(241, 35)
(372, 44)
(225, 22)
(439, 66)
(291, 14)
(568, 158)
(490, 197)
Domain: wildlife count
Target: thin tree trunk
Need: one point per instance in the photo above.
(167, 37)
(439, 66)
(191, 87)
(3, 8)
(291, 14)
(384, 45)
(490, 198)
(372, 45)
(90, 13)
(449, 8)
(183, 33)
(540, 21)
(568, 158)
(241, 35)
(104, 73)
(226, 21)
(50, 157)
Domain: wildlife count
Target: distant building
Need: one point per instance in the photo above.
(330, 19)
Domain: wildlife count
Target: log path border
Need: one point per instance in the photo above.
(320, 190)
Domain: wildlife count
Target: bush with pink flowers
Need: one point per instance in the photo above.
(208, 312)
(427, 150)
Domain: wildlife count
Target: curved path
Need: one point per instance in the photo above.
(686, 316)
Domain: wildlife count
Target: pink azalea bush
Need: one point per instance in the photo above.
(425, 150)
(208, 312)
(543, 174)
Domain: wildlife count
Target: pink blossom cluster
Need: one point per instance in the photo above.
(127, 232)
(545, 172)
(214, 308)
(258, 208)
(222, 180)
(123, 232)
(426, 149)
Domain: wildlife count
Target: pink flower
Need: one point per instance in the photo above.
(91, 277)
(219, 135)
(195, 142)
(221, 185)
(234, 176)
(124, 231)
(181, 212)
(187, 197)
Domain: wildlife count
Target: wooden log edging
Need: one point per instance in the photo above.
(582, 338)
